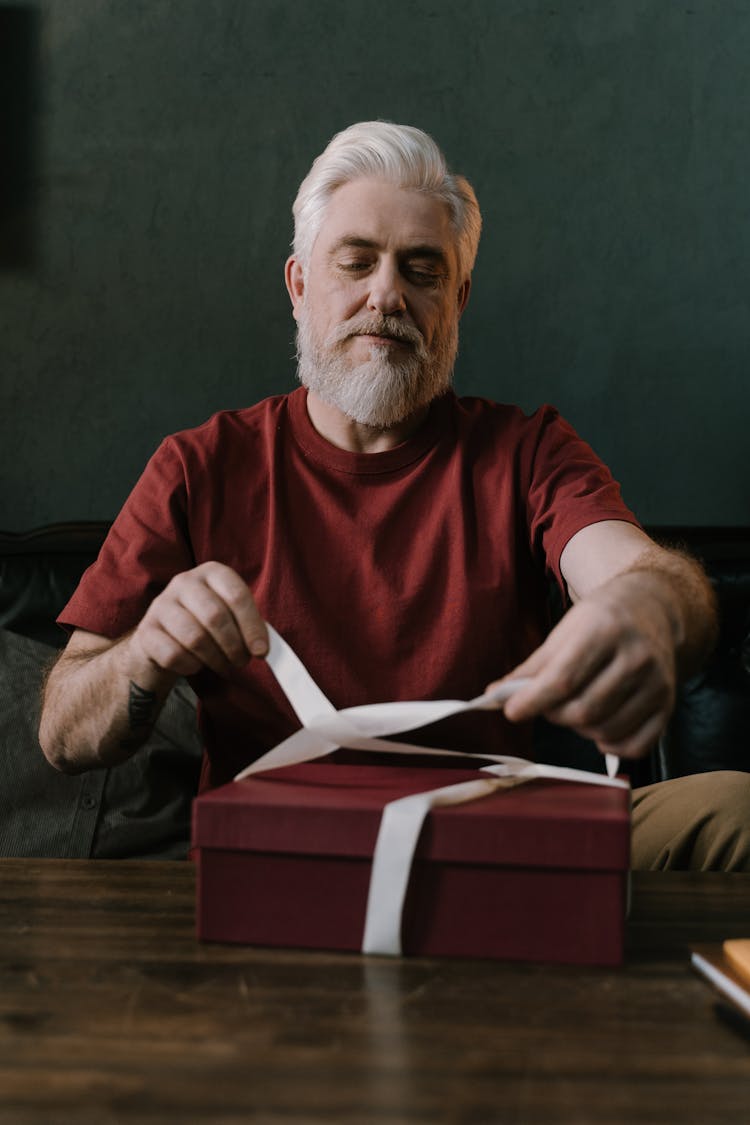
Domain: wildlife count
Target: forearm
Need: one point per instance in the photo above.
(99, 707)
(677, 585)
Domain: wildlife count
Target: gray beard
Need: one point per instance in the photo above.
(384, 390)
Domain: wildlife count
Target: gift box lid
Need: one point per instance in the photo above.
(334, 810)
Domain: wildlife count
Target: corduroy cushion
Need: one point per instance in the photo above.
(139, 809)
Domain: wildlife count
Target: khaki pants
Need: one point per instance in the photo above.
(695, 823)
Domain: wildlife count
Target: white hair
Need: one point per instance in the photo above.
(401, 155)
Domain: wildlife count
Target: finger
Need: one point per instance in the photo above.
(211, 616)
(174, 634)
(563, 677)
(628, 719)
(236, 595)
(640, 742)
(572, 655)
(616, 701)
(525, 673)
(164, 651)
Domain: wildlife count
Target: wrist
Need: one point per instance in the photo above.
(677, 593)
(141, 670)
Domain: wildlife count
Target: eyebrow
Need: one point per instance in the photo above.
(354, 242)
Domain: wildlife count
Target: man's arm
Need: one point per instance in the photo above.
(102, 697)
(642, 618)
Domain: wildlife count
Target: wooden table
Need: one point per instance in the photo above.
(111, 1011)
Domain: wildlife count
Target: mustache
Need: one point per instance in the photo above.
(387, 326)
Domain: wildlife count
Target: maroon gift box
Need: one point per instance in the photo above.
(536, 873)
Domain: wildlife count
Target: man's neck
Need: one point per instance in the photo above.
(356, 437)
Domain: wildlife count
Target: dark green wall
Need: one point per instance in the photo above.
(609, 145)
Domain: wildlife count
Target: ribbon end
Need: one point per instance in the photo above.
(613, 764)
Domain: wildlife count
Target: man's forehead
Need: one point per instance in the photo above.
(376, 212)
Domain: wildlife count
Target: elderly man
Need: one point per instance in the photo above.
(400, 538)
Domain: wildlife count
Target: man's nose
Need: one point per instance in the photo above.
(386, 294)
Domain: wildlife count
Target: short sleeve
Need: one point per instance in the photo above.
(568, 488)
(146, 546)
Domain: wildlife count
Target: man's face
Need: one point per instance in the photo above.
(377, 308)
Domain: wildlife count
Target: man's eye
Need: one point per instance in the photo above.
(354, 267)
(424, 276)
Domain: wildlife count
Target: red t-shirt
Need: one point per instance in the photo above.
(416, 573)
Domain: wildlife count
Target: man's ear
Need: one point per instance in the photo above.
(463, 294)
(295, 283)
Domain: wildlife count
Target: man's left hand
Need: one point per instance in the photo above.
(642, 616)
(607, 670)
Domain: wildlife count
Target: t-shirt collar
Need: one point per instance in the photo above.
(343, 460)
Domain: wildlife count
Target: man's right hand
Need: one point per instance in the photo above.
(103, 695)
(205, 617)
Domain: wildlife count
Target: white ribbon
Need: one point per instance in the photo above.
(325, 729)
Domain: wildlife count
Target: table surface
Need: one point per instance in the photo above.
(111, 1011)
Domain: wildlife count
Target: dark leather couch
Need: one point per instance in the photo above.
(710, 728)
(39, 570)
(142, 808)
